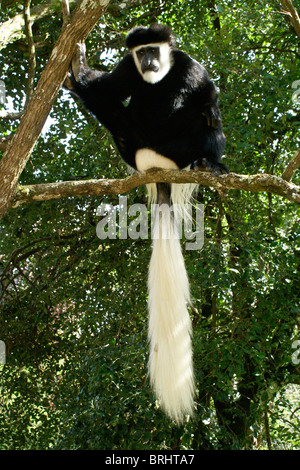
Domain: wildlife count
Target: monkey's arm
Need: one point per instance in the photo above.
(210, 123)
(103, 93)
(205, 95)
(210, 107)
(90, 84)
(79, 72)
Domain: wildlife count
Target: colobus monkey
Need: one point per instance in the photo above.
(172, 121)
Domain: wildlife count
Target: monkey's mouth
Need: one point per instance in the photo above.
(150, 68)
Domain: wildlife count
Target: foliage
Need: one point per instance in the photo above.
(73, 307)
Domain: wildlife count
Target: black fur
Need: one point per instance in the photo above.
(178, 117)
(141, 35)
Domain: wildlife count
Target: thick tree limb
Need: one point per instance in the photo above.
(31, 69)
(13, 29)
(252, 183)
(13, 161)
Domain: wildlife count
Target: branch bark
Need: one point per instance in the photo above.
(52, 78)
(31, 51)
(13, 29)
(252, 183)
(31, 71)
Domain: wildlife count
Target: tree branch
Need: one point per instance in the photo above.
(13, 29)
(10, 116)
(65, 11)
(292, 13)
(293, 165)
(4, 141)
(31, 69)
(31, 51)
(252, 183)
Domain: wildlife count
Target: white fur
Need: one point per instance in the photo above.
(181, 193)
(169, 328)
(165, 62)
(146, 158)
(181, 196)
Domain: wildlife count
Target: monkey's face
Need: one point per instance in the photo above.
(152, 61)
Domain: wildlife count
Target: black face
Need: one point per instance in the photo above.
(148, 57)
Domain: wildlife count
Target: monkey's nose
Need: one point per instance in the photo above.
(149, 66)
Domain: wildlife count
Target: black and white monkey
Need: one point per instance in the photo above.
(172, 121)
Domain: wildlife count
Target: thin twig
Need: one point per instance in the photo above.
(292, 167)
(31, 51)
(65, 11)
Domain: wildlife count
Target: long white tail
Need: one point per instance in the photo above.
(169, 331)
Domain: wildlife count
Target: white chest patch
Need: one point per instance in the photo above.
(147, 158)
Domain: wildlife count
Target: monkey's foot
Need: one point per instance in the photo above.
(217, 168)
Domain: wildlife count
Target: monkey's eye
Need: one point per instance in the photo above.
(140, 53)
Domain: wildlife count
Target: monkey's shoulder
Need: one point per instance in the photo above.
(190, 71)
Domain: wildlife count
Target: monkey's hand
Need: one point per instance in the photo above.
(78, 67)
(79, 64)
(212, 115)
